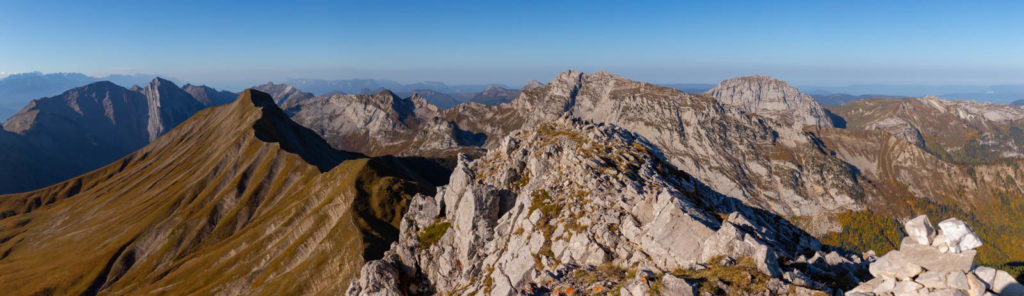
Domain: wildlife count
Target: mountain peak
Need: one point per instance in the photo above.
(776, 99)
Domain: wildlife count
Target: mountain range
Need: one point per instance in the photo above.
(59, 137)
(17, 89)
(585, 177)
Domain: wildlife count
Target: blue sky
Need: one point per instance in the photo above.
(238, 42)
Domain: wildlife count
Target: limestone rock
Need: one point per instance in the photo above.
(959, 237)
(671, 285)
(893, 265)
(1004, 284)
(920, 229)
(571, 200)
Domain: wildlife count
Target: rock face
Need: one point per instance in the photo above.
(383, 124)
(740, 154)
(563, 206)
(283, 93)
(84, 128)
(772, 98)
(936, 263)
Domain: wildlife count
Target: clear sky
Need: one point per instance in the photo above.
(804, 42)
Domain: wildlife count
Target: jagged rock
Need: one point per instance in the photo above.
(959, 236)
(533, 214)
(920, 229)
(381, 279)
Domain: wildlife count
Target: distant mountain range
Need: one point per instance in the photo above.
(81, 129)
(17, 89)
(369, 86)
(290, 193)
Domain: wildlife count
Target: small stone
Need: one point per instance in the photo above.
(957, 280)
(920, 229)
(931, 279)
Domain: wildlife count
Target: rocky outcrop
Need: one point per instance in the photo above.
(772, 98)
(384, 124)
(576, 206)
(283, 93)
(936, 262)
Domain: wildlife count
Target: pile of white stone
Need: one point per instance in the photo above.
(931, 262)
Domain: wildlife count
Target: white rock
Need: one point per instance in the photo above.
(904, 287)
(671, 285)
(887, 286)
(957, 280)
(948, 292)
(893, 265)
(1004, 284)
(920, 229)
(933, 260)
(977, 286)
(931, 279)
(986, 274)
(959, 236)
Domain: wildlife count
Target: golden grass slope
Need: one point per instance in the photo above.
(236, 200)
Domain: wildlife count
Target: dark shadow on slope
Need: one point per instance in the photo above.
(275, 126)
(837, 121)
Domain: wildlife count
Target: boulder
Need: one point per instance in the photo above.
(934, 260)
(671, 285)
(977, 286)
(894, 265)
(907, 286)
(920, 229)
(932, 280)
(886, 286)
(959, 236)
(957, 280)
(1004, 284)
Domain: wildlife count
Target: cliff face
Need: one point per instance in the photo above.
(741, 154)
(771, 98)
(573, 205)
(56, 138)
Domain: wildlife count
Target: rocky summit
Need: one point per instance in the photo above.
(936, 261)
(573, 206)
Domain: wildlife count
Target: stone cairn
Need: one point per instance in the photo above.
(936, 262)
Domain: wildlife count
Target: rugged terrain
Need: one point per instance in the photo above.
(56, 138)
(575, 206)
(237, 200)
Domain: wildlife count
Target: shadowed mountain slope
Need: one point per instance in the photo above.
(236, 200)
(56, 138)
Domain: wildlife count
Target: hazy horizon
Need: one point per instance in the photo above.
(803, 42)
